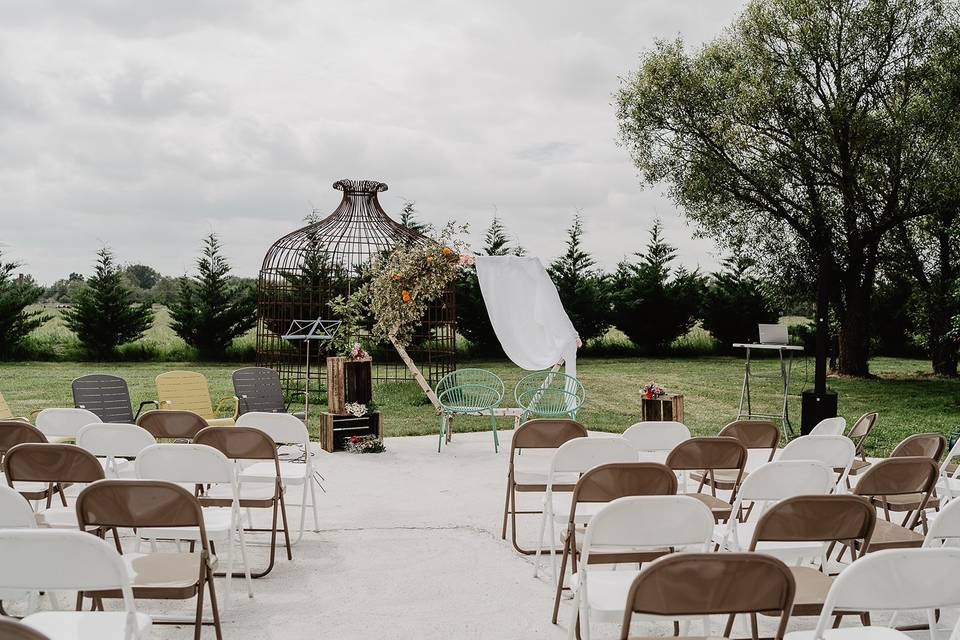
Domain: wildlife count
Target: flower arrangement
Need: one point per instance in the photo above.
(357, 352)
(652, 390)
(364, 444)
(356, 409)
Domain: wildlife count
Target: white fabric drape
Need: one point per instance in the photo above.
(526, 313)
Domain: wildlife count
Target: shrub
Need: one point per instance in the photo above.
(734, 303)
(582, 289)
(16, 319)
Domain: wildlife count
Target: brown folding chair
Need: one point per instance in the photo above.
(11, 629)
(897, 477)
(927, 445)
(160, 575)
(708, 456)
(752, 434)
(14, 432)
(57, 466)
(833, 519)
(858, 433)
(172, 424)
(597, 487)
(248, 443)
(703, 584)
(540, 433)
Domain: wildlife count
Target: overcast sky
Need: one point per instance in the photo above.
(146, 125)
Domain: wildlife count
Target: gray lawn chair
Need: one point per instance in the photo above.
(107, 396)
(258, 389)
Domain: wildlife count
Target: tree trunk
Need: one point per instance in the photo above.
(854, 334)
(943, 348)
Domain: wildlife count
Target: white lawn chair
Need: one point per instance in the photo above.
(55, 560)
(62, 424)
(948, 486)
(655, 439)
(837, 451)
(15, 513)
(890, 580)
(194, 464)
(285, 428)
(634, 523)
(829, 427)
(113, 443)
(576, 456)
(767, 485)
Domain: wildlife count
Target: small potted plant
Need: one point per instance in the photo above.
(657, 404)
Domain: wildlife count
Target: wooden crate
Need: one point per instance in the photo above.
(669, 407)
(348, 381)
(335, 428)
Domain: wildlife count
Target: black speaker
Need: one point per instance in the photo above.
(815, 407)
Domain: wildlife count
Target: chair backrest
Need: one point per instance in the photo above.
(549, 393)
(5, 412)
(15, 511)
(470, 388)
(185, 390)
(895, 580)
(582, 454)
(105, 395)
(656, 436)
(64, 423)
(14, 432)
(239, 443)
(283, 428)
(608, 482)
(61, 560)
(689, 584)
(51, 463)
(137, 504)
(184, 463)
(862, 428)
(928, 445)
(836, 451)
(900, 476)
(112, 439)
(11, 629)
(784, 479)
(545, 433)
(754, 434)
(258, 389)
(813, 518)
(172, 424)
(638, 522)
(946, 526)
(829, 427)
(708, 453)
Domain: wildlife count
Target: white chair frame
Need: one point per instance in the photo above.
(113, 443)
(655, 439)
(61, 423)
(838, 452)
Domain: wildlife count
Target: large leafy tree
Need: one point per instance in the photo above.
(651, 304)
(735, 302)
(582, 288)
(211, 308)
(17, 319)
(103, 313)
(815, 122)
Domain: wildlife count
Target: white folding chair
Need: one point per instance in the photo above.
(633, 523)
(829, 427)
(576, 456)
(767, 485)
(655, 439)
(890, 580)
(62, 424)
(948, 486)
(837, 451)
(114, 443)
(57, 560)
(15, 513)
(287, 429)
(195, 464)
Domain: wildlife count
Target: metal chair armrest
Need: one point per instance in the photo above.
(236, 405)
(155, 403)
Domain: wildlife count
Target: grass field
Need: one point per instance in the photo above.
(908, 397)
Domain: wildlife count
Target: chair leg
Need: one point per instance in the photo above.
(506, 507)
(213, 605)
(440, 437)
(493, 425)
(198, 623)
(313, 503)
(543, 528)
(563, 569)
(286, 529)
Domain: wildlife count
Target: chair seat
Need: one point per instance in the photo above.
(585, 510)
(888, 535)
(857, 466)
(220, 422)
(251, 495)
(216, 520)
(81, 625)
(535, 477)
(721, 508)
(292, 472)
(812, 588)
(909, 502)
(786, 551)
(57, 518)
(607, 595)
(851, 633)
(725, 479)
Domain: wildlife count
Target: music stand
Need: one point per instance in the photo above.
(308, 331)
(773, 337)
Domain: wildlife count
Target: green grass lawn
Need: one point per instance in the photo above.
(909, 398)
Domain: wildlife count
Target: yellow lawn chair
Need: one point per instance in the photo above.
(188, 391)
(6, 413)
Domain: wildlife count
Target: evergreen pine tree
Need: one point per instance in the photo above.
(582, 289)
(103, 314)
(408, 218)
(734, 303)
(16, 295)
(210, 309)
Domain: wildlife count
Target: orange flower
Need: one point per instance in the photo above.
(429, 259)
(396, 277)
(405, 295)
(447, 251)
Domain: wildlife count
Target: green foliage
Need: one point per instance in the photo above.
(582, 288)
(473, 321)
(408, 218)
(16, 319)
(650, 305)
(210, 309)
(353, 312)
(65, 289)
(104, 314)
(734, 303)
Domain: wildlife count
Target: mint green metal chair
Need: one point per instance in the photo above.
(549, 394)
(469, 392)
